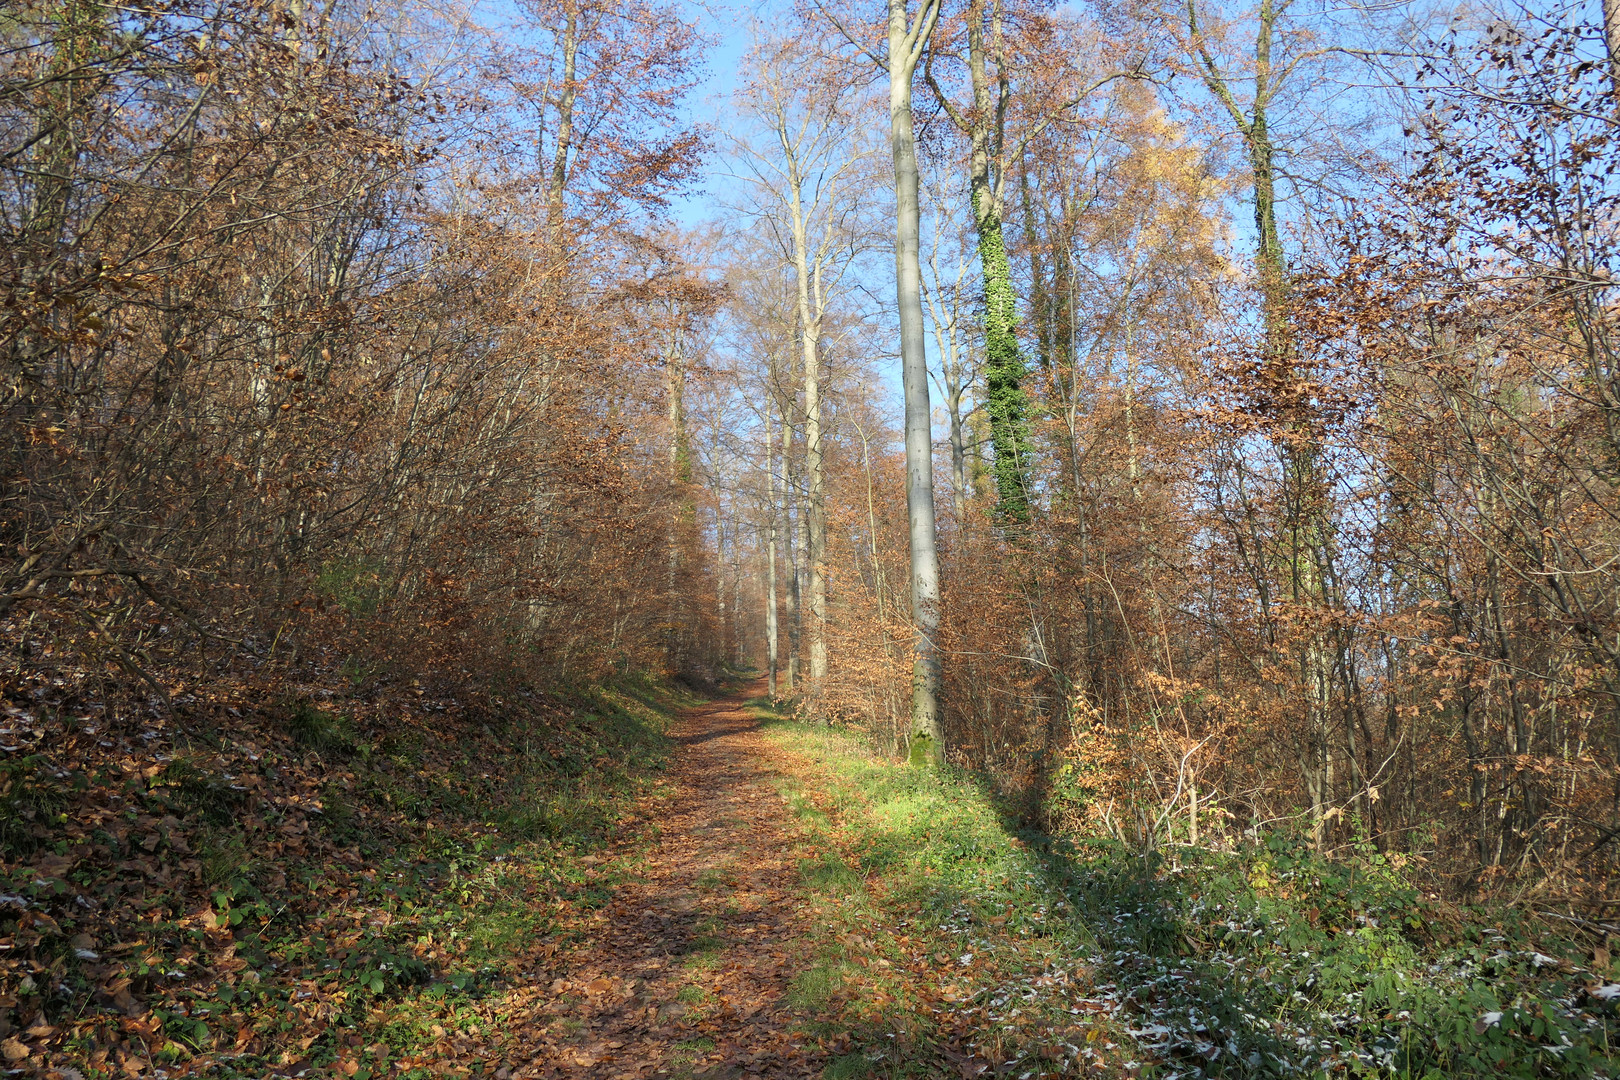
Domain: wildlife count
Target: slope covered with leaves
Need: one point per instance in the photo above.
(326, 877)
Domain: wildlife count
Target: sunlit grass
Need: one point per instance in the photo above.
(922, 897)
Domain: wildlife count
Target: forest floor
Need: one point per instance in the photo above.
(631, 882)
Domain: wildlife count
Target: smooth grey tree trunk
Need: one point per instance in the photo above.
(907, 40)
(770, 560)
(812, 309)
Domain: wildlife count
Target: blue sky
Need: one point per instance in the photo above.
(727, 27)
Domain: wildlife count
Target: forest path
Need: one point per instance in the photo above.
(688, 965)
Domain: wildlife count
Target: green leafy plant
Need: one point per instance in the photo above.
(321, 731)
(31, 802)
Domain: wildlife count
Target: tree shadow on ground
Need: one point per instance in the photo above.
(1269, 959)
(1186, 1013)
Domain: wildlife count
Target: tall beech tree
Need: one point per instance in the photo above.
(907, 41)
(904, 46)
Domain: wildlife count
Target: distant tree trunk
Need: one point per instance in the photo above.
(958, 436)
(801, 581)
(955, 367)
(565, 119)
(879, 584)
(723, 628)
(738, 645)
(1040, 303)
(683, 512)
(907, 40)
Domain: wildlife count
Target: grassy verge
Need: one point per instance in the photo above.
(302, 893)
(945, 946)
(951, 940)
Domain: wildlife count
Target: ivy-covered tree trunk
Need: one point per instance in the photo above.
(984, 123)
(1004, 400)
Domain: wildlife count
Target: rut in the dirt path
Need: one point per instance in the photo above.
(689, 964)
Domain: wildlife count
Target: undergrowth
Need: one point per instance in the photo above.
(1273, 961)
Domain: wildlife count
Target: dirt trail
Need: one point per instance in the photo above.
(689, 963)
